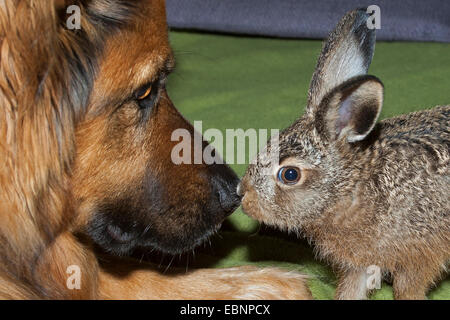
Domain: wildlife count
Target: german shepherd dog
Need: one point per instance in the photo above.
(85, 161)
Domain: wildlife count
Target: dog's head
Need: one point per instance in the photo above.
(85, 140)
(86, 135)
(128, 190)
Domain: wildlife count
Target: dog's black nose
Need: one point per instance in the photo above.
(224, 185)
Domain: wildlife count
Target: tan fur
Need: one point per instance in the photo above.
(369, 194)
(236, 283)
(66, 147)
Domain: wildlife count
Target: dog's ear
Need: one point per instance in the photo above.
(351, 110)
(47, 68)
(47, 73)
(99, 19)
(110, 13)
(345, 54)
(102, 14)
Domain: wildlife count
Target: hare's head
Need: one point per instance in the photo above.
(313, 163)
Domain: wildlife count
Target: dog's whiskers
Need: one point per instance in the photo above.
(162, 259)
(187, 263)
(168, 266)
(146, 229)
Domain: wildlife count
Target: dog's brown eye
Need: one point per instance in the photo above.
(145, 94)
(289, 175)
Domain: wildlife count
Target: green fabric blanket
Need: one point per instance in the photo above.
(242, 82)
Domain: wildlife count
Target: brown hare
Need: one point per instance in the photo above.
(364, 193)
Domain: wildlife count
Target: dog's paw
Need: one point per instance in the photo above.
(250, 283)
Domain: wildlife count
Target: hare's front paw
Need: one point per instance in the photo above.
(263, 283)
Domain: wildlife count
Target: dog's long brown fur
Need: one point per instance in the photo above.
(67, 149)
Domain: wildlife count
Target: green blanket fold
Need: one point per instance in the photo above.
(231, 82)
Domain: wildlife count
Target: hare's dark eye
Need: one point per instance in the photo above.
(289, 175)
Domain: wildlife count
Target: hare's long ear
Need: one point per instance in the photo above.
(345, 54)
(351, 110)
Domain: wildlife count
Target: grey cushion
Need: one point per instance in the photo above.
(414, 20)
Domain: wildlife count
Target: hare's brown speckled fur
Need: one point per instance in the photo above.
(369, 193)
